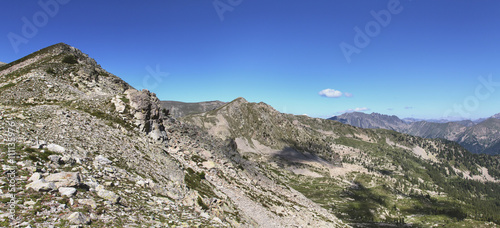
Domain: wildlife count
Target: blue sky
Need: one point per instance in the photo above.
(430, 59)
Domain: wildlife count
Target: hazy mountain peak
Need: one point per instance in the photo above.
(179, 109)
(496, 116)
(373, 120)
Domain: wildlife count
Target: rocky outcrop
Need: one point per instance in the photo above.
(147, 113)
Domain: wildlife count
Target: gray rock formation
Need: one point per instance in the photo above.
(146, 110)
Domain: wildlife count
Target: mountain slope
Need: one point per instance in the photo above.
(365, 177)
(482, 137)
(179, 109)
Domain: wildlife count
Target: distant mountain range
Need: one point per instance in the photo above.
(1, 64)
(480, 136)
(180, 109)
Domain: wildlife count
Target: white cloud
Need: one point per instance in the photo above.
(408, 107)
(363, 109)
(331, 93)
(348, 94)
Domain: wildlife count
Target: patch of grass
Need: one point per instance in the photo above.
(202, 204)
(125, 100)
(195, 180)
(196, 158)
(111, 119)
(7, 86)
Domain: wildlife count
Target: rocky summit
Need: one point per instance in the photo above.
(82, 148)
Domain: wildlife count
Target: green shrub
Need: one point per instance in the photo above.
(70, 59)
(50, 70)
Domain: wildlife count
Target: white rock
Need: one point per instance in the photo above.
(55, 158)
(109, 170)
(29, 203)
(56, 148)
(35, 177)
(41, 185)
(89, 202)
(101, 160)
(216, 219)
(206, 154)
(67, 191)
(140, 183)
(208, 164)
(107, 195)
(78, 218)
(68, 160)
(205, 215)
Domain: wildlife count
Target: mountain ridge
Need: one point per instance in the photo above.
(179, 109)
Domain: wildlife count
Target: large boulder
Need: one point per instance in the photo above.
(65, 179)
(56, 148)
(67, 191)
(107, 195)
(78, 218)
(41, 185)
